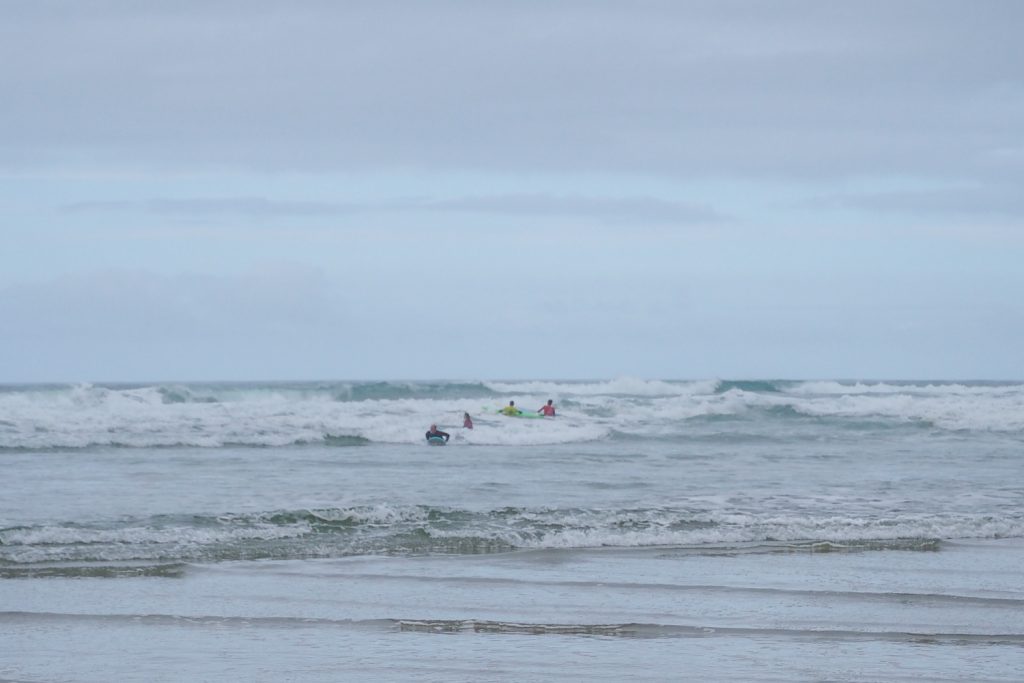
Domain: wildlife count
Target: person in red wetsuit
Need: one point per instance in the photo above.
(467, 421)
(548, 410)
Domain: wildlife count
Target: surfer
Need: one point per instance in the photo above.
(436, 433)
(511, 409)
(548, 410)
(467, 421)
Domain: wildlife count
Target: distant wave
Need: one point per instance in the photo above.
(624, 386)
(756, 386)
(366, 391)
(905, 387)
(112, 395)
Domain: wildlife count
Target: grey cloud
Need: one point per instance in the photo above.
(638, 211)
(708, 88)
(634, 210)
(245, 206)
(957, 202)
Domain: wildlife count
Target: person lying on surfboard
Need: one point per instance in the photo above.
(548, 410)
(511, 409)
(436, 433)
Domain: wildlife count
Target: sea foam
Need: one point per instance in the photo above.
(275, 415)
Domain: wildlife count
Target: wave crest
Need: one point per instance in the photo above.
(417, 529)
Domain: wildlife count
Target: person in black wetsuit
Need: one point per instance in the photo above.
(435, 432)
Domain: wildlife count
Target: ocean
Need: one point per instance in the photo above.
(654, 530)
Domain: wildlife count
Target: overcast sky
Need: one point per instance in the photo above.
(255, 190)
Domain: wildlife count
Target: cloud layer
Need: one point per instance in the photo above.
(695, 88)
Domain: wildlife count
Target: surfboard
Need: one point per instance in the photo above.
(525, 414)
(436, 440)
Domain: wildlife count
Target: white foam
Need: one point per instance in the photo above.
(86, 415)
(60, 535)
(59, 543)
(947, 410)
(786, 529)
(547, 528)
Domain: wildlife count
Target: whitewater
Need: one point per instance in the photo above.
(284, 414)
(712, 529)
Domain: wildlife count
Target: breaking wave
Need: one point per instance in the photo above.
(358, 413)
(386, 529)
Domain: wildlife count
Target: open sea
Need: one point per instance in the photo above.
(653, 530)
